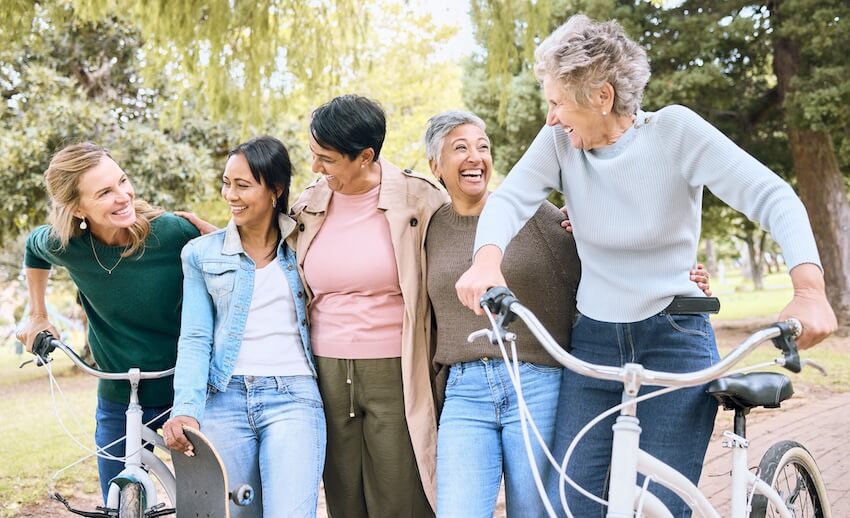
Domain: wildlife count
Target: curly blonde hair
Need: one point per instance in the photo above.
(583, 54)
(62, 179)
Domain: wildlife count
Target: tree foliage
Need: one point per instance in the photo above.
(231, 53)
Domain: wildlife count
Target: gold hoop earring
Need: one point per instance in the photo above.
(274, 202)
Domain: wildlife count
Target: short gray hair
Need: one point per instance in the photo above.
(582, 54)
(441, 125)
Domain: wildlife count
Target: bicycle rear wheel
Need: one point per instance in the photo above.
(131, 503)
(791, 471)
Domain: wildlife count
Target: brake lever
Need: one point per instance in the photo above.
(815, 365)
(37, 360)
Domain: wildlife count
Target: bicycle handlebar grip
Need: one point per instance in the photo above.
(43, 344)
(785, 342)
(498, 300)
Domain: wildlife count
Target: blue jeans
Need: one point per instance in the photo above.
(111, 425)
(676, 427)
(270, 433)
(480, 436)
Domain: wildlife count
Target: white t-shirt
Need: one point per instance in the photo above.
(271, 345)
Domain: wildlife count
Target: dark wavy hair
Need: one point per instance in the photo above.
(350, 124)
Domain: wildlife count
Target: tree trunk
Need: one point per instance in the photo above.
(756, 258)
(820, 183)
(710, 256)
(822, 191)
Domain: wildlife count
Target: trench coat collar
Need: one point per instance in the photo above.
(391, 193)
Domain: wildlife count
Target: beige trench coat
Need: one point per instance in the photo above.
(408, 202)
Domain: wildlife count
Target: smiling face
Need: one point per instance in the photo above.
(584, 125)
(250, 201)
(106, 198)
(338, 167)
(465, 166)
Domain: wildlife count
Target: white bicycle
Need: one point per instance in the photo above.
(787, 483)
(132, 494)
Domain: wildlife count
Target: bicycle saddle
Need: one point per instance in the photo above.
(745, 391)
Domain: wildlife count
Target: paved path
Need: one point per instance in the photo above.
(819, 422)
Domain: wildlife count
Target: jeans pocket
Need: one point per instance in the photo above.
(302, 389)
(211, 391)
(542, 369)
(576, 319)
(455, 374)
(688, 324)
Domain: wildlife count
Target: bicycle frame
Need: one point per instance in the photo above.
(626, 498)
(627, 460)
(137, 458)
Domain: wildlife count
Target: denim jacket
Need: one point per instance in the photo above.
(218, 284)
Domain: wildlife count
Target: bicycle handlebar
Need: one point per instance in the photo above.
(504, 305)
(45, 344)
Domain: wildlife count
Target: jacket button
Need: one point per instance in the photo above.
(303, 321)
(414, 222)
(289, 267)
(301, 227)
(300, 294)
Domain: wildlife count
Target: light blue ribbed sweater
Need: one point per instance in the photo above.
(636, 204)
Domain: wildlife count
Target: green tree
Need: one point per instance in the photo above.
(231, 54)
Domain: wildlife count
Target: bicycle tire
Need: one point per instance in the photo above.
(131, 503)
(791, 471)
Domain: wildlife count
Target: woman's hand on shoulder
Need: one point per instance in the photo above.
(28, 330)
(172, 432)
(810, 306)
(204, 227)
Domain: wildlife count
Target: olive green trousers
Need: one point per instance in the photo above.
(370, 468)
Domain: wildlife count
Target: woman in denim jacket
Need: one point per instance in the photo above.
(245, 371)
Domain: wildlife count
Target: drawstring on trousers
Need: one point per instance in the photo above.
(349, 378)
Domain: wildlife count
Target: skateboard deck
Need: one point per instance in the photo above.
(201, 480)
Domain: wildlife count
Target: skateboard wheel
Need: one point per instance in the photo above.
(243, 495)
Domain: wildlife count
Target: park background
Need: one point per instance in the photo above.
(170, 87)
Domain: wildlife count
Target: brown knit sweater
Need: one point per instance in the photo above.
(540, 265)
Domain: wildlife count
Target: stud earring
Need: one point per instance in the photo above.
(83, 224)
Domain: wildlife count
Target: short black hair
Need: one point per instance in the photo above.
(268, 160)
(349, 124)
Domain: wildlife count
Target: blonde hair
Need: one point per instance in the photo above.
(582, 54)
(62, 179)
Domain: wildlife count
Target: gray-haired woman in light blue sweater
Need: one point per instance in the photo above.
(633, 183)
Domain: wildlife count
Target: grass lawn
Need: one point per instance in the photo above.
(36, 446)
(738, 300)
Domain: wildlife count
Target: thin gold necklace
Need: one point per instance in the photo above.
(96, 258)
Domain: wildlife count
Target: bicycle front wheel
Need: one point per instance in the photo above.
(791, 471)
(132, 501)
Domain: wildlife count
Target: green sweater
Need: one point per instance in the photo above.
(134, 313)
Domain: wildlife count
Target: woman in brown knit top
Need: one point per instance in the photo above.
(480, 434)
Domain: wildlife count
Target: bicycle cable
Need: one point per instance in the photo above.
(98, 451)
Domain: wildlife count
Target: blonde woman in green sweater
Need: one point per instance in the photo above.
(124, 257)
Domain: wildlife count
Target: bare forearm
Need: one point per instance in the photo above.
(37, 289)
